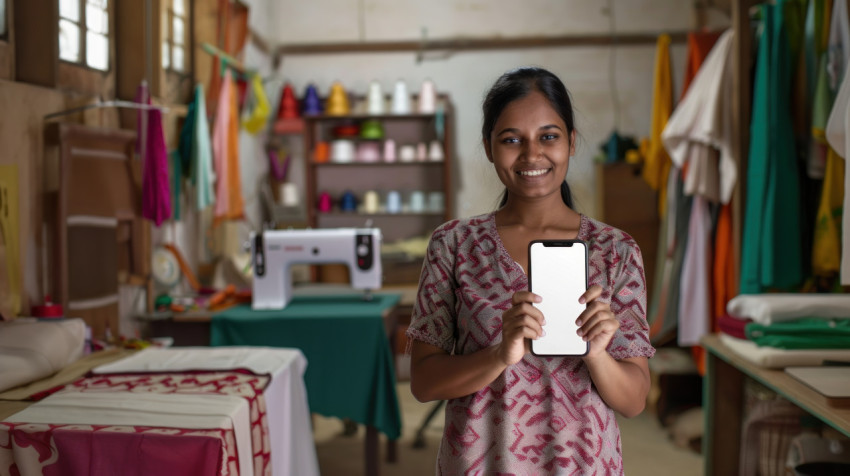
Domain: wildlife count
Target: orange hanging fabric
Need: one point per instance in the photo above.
(228, 203)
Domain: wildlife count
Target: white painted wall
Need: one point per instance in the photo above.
(466, 76)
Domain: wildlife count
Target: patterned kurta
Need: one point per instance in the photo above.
(541, 415)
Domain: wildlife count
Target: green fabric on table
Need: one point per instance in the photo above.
(804, 333)
(350, 370)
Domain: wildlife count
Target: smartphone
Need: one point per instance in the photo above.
(557, 272)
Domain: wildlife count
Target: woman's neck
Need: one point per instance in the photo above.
(540, 215)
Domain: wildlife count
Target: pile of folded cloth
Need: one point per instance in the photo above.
(782, 330)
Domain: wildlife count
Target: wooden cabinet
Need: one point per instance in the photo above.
(404, 197)
(625, 201)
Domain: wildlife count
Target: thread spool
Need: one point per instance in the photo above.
(288, 194)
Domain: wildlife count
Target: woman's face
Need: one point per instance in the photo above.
(530, 147)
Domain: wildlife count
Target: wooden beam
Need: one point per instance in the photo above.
(36, 26)
(468, 44)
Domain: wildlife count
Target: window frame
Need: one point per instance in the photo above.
(83, 30)
(4, 35)
(168, 38)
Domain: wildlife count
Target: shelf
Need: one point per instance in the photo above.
(376, 164)
(366, 116)
(379, 214)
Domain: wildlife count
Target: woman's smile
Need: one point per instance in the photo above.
(533, 172)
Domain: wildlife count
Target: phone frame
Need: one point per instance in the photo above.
(559, 244)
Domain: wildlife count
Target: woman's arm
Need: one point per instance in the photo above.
(622, 384)
(438, 375)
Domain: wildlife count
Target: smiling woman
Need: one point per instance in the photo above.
(510, 411)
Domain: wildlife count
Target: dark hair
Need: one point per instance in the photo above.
(518, 83)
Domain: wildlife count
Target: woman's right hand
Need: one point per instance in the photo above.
(520, 323)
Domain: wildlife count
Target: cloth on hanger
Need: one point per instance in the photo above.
(694, 321)
(260, 110)
(656, 165)
(195, 151)
(201, 172)
(156, 192)
(699, 45)
(702, 119)
(225, 144)
(833, 62)
(838, 136)
(771, 255)
(699, 128)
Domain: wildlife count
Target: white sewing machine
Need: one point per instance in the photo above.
(274, 251)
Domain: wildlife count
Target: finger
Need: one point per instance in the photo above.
(525, 296)
(592, 293)
(524, 309)
(598, 324)
(523, 322)
(594, 307)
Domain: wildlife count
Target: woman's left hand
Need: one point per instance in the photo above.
(597, 324)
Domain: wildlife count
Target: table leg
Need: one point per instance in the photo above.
(392, 456)
(723, 394)
(372, 467)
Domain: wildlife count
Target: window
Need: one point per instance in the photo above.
(174, 36)
(84, 32)
(2, 18)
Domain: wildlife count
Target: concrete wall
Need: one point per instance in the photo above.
(590, 73)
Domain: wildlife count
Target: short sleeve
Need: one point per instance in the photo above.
(628, 303)
(434, 313)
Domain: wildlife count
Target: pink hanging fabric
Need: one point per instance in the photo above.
(156, 194)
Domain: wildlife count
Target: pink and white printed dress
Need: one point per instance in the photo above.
(542, 416)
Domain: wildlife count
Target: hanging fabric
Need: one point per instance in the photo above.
(700, 141)
(225, 144)
(656, 165)
(830, 68)
(771, 246)
(704, 119)
(672, 239)
(195, 151)
(827, 228)
(201, 173)
(260, 109)
(156, 193)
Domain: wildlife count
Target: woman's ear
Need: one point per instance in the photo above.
(487, 150)
(573, 143)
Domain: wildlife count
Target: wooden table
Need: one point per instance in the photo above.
(723, 404)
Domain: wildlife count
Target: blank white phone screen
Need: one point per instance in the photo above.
(558, 275)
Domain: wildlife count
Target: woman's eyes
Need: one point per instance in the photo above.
(517, 140)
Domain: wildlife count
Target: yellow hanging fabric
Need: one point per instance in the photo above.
(826, 250)
(657, 163)
(255, 121)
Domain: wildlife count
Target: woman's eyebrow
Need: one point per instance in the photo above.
(514, 130)
(549, 126)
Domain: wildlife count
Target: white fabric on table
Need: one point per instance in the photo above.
(774, 358)
(31, 349)
(290, 431)
(772, 308)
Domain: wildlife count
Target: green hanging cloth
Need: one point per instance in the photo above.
(771, 255)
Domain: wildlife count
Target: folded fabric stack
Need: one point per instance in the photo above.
(782, 330)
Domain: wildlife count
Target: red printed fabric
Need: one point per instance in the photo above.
(542, 415)
(33, 448)
(240, 384)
